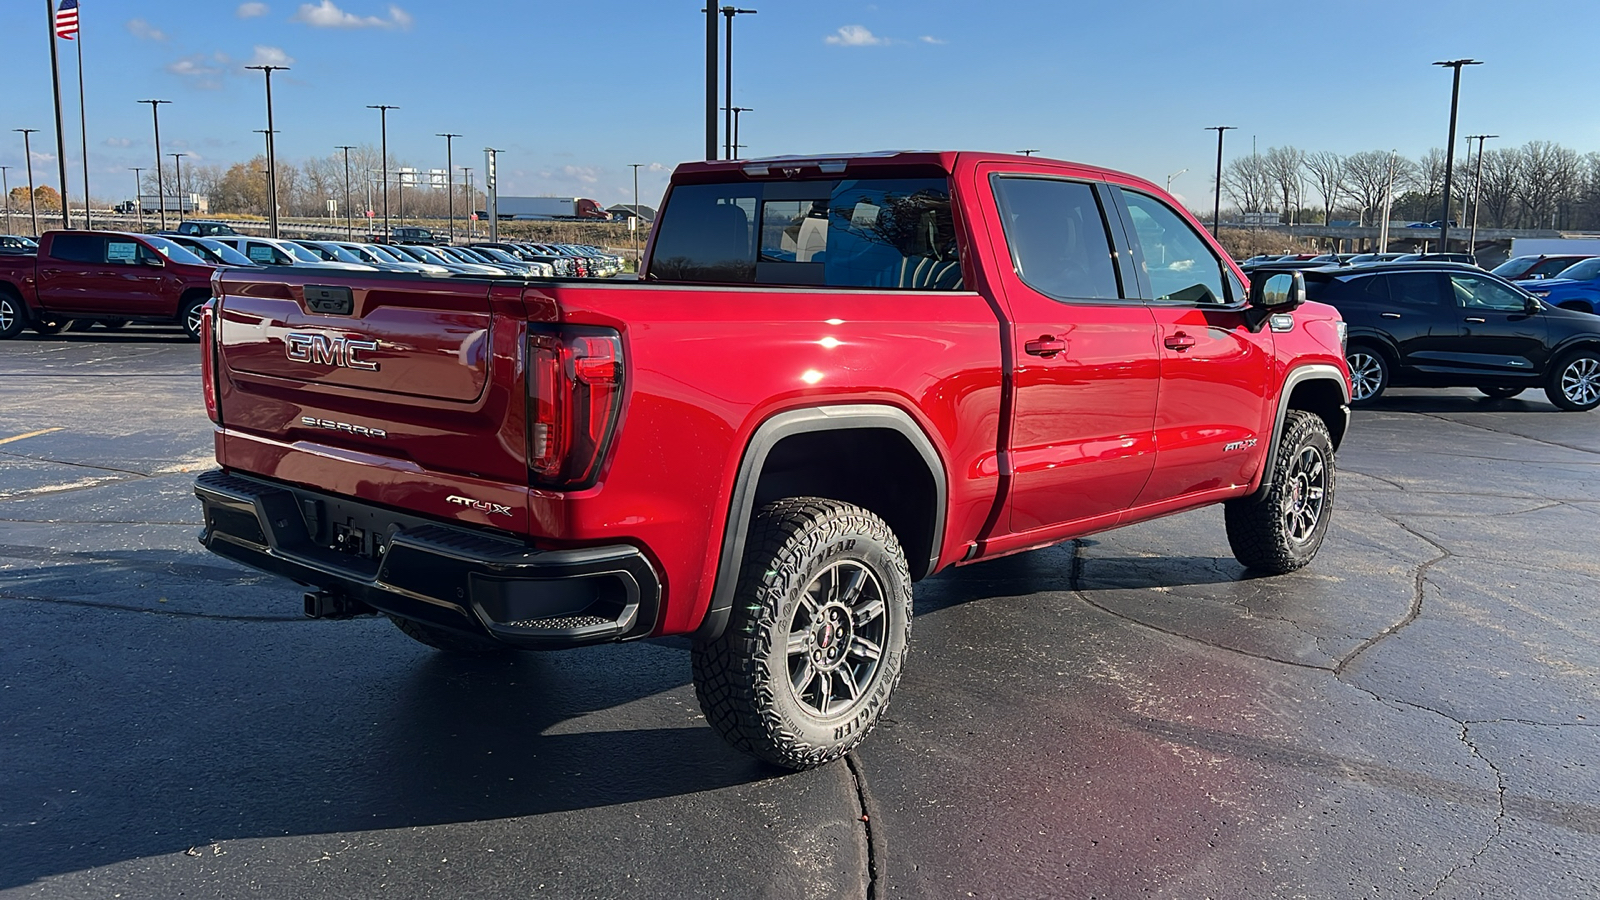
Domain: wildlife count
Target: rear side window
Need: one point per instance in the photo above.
(1180, 266)
(1422, 290)
(1057, 234)
(84, 248)
(886, 233)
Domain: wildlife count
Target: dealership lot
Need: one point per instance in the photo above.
(1413, 715)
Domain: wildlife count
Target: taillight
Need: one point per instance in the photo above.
(208, 360)
(574, 397)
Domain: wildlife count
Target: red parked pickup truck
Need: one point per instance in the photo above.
(103, 276)
(835, 377)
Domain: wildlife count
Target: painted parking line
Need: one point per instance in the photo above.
(23, 437)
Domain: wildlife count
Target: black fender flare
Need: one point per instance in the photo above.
(741, 504)
(1295, 378)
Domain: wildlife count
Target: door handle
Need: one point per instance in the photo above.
(1047, 345)
(1390, 315)
(1179, 342)
(1479, 319)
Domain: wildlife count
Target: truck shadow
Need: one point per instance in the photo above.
(1530, 401)
(131, 335)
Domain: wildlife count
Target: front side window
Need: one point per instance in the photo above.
(1582, 271)
(1179, 264)
(1057, 234)
(886, 233)
(1481, 293)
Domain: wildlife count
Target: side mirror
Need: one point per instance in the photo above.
(154, 261)
(1273, 294)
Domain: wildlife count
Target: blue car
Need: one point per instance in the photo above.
(1575, 287)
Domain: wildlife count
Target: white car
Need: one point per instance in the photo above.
(270, 252)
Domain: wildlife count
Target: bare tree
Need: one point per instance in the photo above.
(1368, 178)
(1281, 165)
(1246, 183)
(1497, 188)
(1548, 175)
(1329, 175)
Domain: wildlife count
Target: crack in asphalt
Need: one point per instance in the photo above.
(1532, 722)
(80, 465)
(1419, 585)
(1499, 815)
(876, 887)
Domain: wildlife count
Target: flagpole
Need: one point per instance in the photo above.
(55, 81)
(83, 125)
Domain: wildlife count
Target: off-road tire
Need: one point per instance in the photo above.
(449, 641)
(1499, 391)
(1369, 374)
(1269, 531)
(1572, 384)
(807, 547)
(13, 315)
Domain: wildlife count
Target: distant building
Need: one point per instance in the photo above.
(622, 211)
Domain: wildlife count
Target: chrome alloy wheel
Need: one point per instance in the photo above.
(836, 639)
(8, 314)
(1580, 380)
(191, 321)
(1305, 500)
(1366, 375)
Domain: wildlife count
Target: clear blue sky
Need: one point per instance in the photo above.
(575, 92)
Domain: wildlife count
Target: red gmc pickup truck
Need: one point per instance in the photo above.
(837, 376)
(104, 276)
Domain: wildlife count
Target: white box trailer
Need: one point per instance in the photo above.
(1555, 246)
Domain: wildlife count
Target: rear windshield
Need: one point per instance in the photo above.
(887, 233)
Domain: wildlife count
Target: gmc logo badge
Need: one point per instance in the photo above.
(326, 350)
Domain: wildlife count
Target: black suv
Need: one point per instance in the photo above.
(1445, 325)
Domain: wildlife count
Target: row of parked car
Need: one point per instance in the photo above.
(113, 278)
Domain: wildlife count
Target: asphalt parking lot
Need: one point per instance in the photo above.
(1415, 715)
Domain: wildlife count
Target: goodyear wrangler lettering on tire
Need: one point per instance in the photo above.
(817, 636)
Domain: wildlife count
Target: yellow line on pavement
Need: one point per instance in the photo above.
(22, 437)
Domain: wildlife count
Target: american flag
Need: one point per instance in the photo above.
(67, 20)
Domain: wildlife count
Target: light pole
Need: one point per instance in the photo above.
(1029, 152)
(1450, 148)
(33, 201)
(349, 226)
(272, 188)
(472, 223)
(272, 163)
(711, 80)
(727, 75)
(491, 187)
(138, 207)
(5, 191)
(1172, 176)
(161, 190)
(383, 121)
(450, 183)
(736, 145)
(1477, 188)
(1388, 205)
(1216, 205)
(177, 165)
(636, 251)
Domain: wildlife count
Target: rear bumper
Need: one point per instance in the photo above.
(416, 568)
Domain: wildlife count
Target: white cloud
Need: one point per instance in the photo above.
(119, 142)
(855, 36)
(656, 167)
(585, 174)
(327, 15)
(144, 31)
(251, 10)
(270, 56)
(930, 39)
(200, 69)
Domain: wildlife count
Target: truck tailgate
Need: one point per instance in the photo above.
(423, 373)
